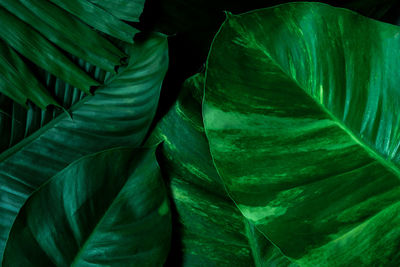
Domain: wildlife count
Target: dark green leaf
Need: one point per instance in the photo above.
(119, 113)
(99, 18)
(18, 82)
(55, 24)
(123, 9)
(302, 113)
(50, 34)
(209, 229)
(18, 122)
(41, 51)
(108, 208)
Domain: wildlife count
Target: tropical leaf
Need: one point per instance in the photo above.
(301, 111)
(178, 16)
(120, 113)
(17, 75)
(18, 122)
(108, 208)
(193, 24)
(100, 19)
(208, 228)
(123, 9)
(36, 30)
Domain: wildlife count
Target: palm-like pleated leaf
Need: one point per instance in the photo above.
(42, 31)
(118, 114)
(123, 9)
(17, 122)
(109, 208)
(302, 113)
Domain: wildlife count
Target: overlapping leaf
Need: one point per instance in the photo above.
(17, 122)
(118, 114)
(184, 16)
(38, 29)
(193, 24)
(208, 228)
(302, 114)
(123, 9)
(109, 208)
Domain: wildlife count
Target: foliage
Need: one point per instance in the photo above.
(283, 150)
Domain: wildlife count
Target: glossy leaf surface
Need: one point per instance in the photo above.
(120, 113)
(108, 208)
(56, 24)
(302, 112)
(48, 34)
(100, 19)
(178, 16)
(18, 122)
(123, 9)
(208, 228)
(17, 74)
(193, 24)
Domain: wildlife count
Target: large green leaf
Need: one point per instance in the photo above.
(47, 33)
(193, 24)
(17, 75)
(178, 16)
(108, 208)
(119, 113)
(208, 228)
(302, 113)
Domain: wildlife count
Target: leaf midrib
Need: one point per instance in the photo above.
(99, 222)
(380, 158)
(20, 145)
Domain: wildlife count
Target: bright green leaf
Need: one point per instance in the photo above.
(178, 16)
(194, 23)
(302, 113)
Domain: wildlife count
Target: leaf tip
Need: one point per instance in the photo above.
(228, 14)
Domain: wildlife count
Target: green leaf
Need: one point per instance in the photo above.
(120, 113)
(17, 80)
(100, 19)
(108, 208)
(302, 113)
(18, 123)
(123, 9)
(208, 228)
(50, 34)
(39, 50)
(55, 24)
(193, 24)
(178, 16)
(264, 252)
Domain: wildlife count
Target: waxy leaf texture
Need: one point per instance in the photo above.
(301, 111)
(120, 113)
